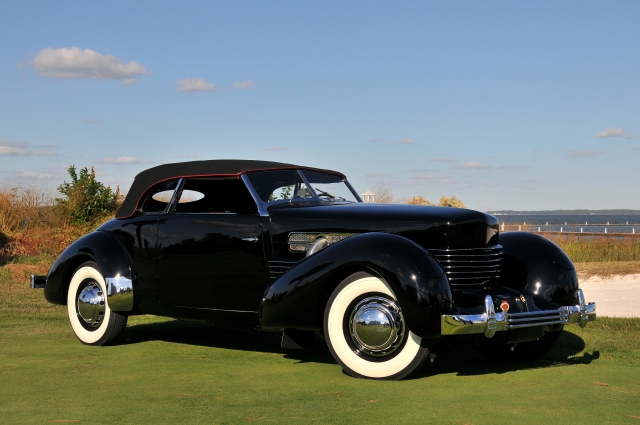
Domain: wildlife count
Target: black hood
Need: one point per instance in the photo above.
(430, 227)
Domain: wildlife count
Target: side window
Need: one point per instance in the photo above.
(159, 197)
(222, 195)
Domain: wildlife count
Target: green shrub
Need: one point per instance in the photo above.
(86, 198)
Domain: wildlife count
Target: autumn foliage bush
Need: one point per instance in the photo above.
(33, 223)
(444, 201)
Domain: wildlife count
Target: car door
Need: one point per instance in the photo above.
(210, 248)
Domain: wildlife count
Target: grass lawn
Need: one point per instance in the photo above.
(166, 371)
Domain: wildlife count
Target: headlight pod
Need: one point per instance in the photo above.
(560, 259)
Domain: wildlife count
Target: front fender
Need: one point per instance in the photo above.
(299, 297)
(114, 263)
(536, 266)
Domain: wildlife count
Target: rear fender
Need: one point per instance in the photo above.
(114, 263)
(536, 266)
(299, 297)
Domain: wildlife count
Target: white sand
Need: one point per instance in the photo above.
(615, 296)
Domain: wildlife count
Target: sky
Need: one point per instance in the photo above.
(528, 105)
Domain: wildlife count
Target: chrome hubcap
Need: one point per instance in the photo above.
(376, 326)
(90, 305)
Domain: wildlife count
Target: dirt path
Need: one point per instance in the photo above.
(615, 296)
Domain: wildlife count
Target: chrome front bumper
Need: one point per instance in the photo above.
(491, 322)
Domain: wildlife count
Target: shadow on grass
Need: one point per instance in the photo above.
(207, 335)
(467, 361)
(461, 360)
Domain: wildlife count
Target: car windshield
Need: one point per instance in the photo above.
(275, 186)
(330, 187)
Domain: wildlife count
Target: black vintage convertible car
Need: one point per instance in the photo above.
(284, 248)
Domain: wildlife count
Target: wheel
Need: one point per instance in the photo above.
(366, 332)
(91, 319)
(522, 351)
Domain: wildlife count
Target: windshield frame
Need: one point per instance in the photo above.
(264, 205)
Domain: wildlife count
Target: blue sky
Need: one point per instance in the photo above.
(507, 105)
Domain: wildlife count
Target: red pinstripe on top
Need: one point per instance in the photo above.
(225, 175)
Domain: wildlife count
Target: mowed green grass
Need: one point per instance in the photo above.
(167, 371)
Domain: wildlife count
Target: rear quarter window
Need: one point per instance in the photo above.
(157, 200)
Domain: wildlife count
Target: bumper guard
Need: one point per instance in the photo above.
(491, 322)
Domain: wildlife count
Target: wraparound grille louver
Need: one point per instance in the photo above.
(470, 266)
(278, 268)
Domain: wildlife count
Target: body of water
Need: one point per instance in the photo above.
(574, 223)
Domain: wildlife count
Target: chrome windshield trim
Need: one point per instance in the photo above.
(304, 179)
(262, 207)
(353, 191)
(119, 293)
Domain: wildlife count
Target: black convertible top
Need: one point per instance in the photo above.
(215, 167)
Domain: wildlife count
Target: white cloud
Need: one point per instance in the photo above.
(585, 154)
(73, 62)
(193, 85)
(406, 142)
(422, 178)
(614, 132)
(14, 144)
(443, 160)
(35, 176)
(121, 160)
(473, 165)
(243, 85)
(276, 148)
(20, 149)
(92, 121)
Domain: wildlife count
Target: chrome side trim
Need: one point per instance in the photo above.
(119, 293)
(491, 322)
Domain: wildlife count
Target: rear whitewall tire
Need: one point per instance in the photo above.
(408, 357)
(111, 324)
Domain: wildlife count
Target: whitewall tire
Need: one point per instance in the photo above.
(91, 319)
(366, 332)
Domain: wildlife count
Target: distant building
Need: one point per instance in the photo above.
(369, 196)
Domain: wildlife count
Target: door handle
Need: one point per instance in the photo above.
(250, 239)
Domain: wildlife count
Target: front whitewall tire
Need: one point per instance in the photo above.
(111, 324)
(410, 355)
